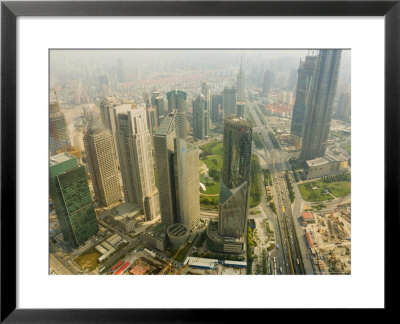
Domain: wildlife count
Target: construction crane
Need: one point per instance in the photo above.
(168, 266)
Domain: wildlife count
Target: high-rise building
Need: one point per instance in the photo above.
(135, 158)
(71, 197)
(186, 174)
(152, 119)
(318, 120)
(306, 75)
(241, 94)
(106, 106)
(163, 140)
(344, 106)
(200, 118)
(217, 107)
(178, 175)
(205, 91)
(159, 103)
(229, 235)
(154, 94)
(267, 82)
(177, 101)
(240, 106)
(229, 101)
(102, 163)
(58, 129)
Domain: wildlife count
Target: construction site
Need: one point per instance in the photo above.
(329, 240)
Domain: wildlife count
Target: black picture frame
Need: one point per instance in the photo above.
(10, 10)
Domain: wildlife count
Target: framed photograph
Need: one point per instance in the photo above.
(187, 155)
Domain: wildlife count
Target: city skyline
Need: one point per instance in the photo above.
(203, 161)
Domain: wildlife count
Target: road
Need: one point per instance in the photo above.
(290, 258)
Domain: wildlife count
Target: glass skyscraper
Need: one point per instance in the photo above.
(70, 193)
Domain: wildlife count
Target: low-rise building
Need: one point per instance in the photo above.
(307, 217)
(124, 217)
(323, 166)
(156, 237)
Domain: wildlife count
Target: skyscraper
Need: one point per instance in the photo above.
(58, 129)
(241, 94)
(200, 118)
(186, 174)
(205, 91)
(152, 119)
(306, 75)
(267, 82)
(217, 107)
(177, 101)
(229, 234)
(319, 115)
(106, 106)
(240, 106)
(70, 193)
(178, 175)
(135, 158)
(229, 101)
(163, 154)
(102, 163)
(159, 101)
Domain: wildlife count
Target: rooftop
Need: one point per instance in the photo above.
(60, 157)
(166, 124)
(307, 215)
(317, 161)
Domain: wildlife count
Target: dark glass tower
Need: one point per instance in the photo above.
(230, 99)
(235, 177)
(305, 78)
(319, 114)
(70, 193)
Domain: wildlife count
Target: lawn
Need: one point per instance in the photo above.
(213, 162)
(88, 260)
(337, 188)
(212, 190)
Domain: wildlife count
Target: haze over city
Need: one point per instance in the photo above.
(201, 162)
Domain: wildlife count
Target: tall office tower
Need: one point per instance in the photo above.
(241, 94)
(163, 140)
(70, 193)
(104, 85)
(186, 176)
(178, 175)
(267, 82)
(159, 103)
(200, 118)
(344, 106)
(205, 91)
(319, 115)
(240, 109)
(154, 94)
(235, 177)
(58, 129)
(229, 101)
(135, 158)
(106, 105)
(177, 101)
(306, 75)
(102, 163)
(146, 99)
(152, 119)
(216, 107)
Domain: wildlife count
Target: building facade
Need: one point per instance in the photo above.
(102, 163)
(306, 75)
(230, 232)
(135, 158)
(240, 79)
(177, 101)
(200, 118)
(229, 101)
(217, 102)
(240, 109)
(318, 120)
(70, 193)
(58, 129)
